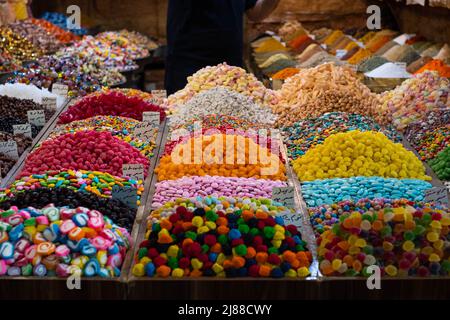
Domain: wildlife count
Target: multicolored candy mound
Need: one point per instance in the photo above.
(59, 242)
(221, 237)
(401, 237)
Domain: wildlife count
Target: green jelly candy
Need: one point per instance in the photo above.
(27, 270)
(254, 231)
(272, 250)
(409, 235)
(240, 250)
(211, 215)
(205, 248)
(142, 253)
(191, 235)
(243, 228)
(269, 232)
(418, 230)
(172, 262)
(223, 239)
(368, 250)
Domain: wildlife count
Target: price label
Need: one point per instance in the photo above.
(178, 133)
(36, 117)
(126, 195)
(284, 195)
(161, 94)
(49, 102)
(151, 117)
(340, 53)
(324, 46)
(133, 171)
(24, 129)
(292, 218)
(9, 148)
(143, 131)
(60, 89)
(438, 195)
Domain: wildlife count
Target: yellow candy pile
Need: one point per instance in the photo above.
(357, 153)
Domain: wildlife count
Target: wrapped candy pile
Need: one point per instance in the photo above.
(326, 88)
(402, 238)
(221, 237)
(232, 78)
(59, 242)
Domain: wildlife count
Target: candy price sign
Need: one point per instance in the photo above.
(284, 195)
(134, 171)
(60, 89)
(143, 131)
(437, 195)
(49, 102)
(151, 117)
(9, 148)
(36, 117)
(24, 129)
(294, 219)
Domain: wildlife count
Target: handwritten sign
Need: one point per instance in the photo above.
(292, 218)
(24, 129)
(284, 195)
(36, 117)
(438, 195)
(60, 89)
(9, 148)
(126, 195)
(143, 131)
(161, 94)
(134, 171)
(151, 117)
(49, 102)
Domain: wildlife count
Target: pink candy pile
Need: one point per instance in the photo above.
(84, 150)
(109, 104)
(188, 187)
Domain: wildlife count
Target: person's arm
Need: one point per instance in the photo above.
(262, 9)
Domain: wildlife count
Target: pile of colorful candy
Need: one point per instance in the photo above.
(188, 187)
(402, 238)
(129, 48)
(205, 155)
(441, 164)
(357, 153)
(327, 88)
(305, 134)
(16, 46)
(7, 63)
(223, 101)
(430, 135)
(112, 104)
(221, 237)
(138, 39)
(98, 183)
(232, 78)
(84, 150)
(59, 242)
(120, 213)
(413, 99)
(38, 36)
(328, 191)
(59, 33)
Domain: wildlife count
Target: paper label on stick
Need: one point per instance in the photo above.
(24, 129)
(36, 117)
(401, 65)
(151, 117)
(284, 195)
(340, 53)
(49, 102)
(134, 171)
(292, 218)
(60, 89)
(143, 131)
(9, 148)
(126, 195)
(438, 195)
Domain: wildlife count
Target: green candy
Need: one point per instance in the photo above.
(205, 248)
(30, 222)
(222, 239)
(273, 250)
(172, 262)
(142, 253)
(211, 216)
(27, 270)
(240, 250)
(191, 235)
(243, 228)
(269, 232)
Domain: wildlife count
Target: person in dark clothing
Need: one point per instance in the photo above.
(207, 32)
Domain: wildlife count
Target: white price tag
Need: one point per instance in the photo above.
(9, 148)
(24, 129)
(340, 53)
(151, 117)
(60, 89)
(161, 94)
(143, 131)
(438, 195)
(36, 117)
(284, 195)
(134, 171)
(292, 218)
(49, 102)
(401, 65)
(126, 195)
